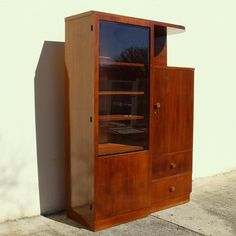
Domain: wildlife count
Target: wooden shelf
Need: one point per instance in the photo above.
(120, 93)
(112, 148)
(119, 117)
(117, 63)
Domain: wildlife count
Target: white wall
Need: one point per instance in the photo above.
(208, 45)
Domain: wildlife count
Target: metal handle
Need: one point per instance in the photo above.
(157, 105)
(172, 189)
(172, 165)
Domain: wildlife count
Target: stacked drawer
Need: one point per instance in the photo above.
(171, 176)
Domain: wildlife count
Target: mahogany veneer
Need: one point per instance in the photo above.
(116, 173)
(108, 148)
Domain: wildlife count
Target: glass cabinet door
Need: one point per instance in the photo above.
(123, 88)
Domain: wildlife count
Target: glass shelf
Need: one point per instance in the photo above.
(120, 93)
(119, 117)
(117, 63)
(111, 148)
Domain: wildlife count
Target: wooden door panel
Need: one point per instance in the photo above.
(173, 121)
(122, 184)
(180, 110)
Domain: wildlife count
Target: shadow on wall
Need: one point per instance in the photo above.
(49, 112)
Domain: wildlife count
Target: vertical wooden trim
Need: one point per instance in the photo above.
(150, 129)
(152, 44)
(96, 84)
(151, 84)
(67, 143)
(96, 103)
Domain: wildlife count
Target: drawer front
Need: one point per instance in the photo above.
(171, 187)
(171, 164)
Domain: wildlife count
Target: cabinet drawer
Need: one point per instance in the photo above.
(171, 164)
(171, 187)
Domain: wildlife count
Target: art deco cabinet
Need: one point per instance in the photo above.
(129, 120)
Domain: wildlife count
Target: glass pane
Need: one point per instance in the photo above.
(123, 88)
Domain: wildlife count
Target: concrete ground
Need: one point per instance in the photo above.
(211, 211)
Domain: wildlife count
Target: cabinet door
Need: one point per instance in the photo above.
(123, 94)
(122, 184)
(172, 114)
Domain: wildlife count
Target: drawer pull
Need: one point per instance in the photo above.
(172, 189)
(172, 165)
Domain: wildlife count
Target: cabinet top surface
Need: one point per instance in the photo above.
(171, 28)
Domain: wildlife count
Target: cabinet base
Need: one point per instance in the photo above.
(79, 219)
(121, 219)
(158, 206)
(130, 216)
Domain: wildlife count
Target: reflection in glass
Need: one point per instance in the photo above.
(123, 88)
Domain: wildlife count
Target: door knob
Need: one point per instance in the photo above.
(172, 189)
(157, 105)
(172, 165)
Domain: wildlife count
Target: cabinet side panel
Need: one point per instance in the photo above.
(79, 56)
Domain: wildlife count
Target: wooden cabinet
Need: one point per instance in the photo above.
(129, 120)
